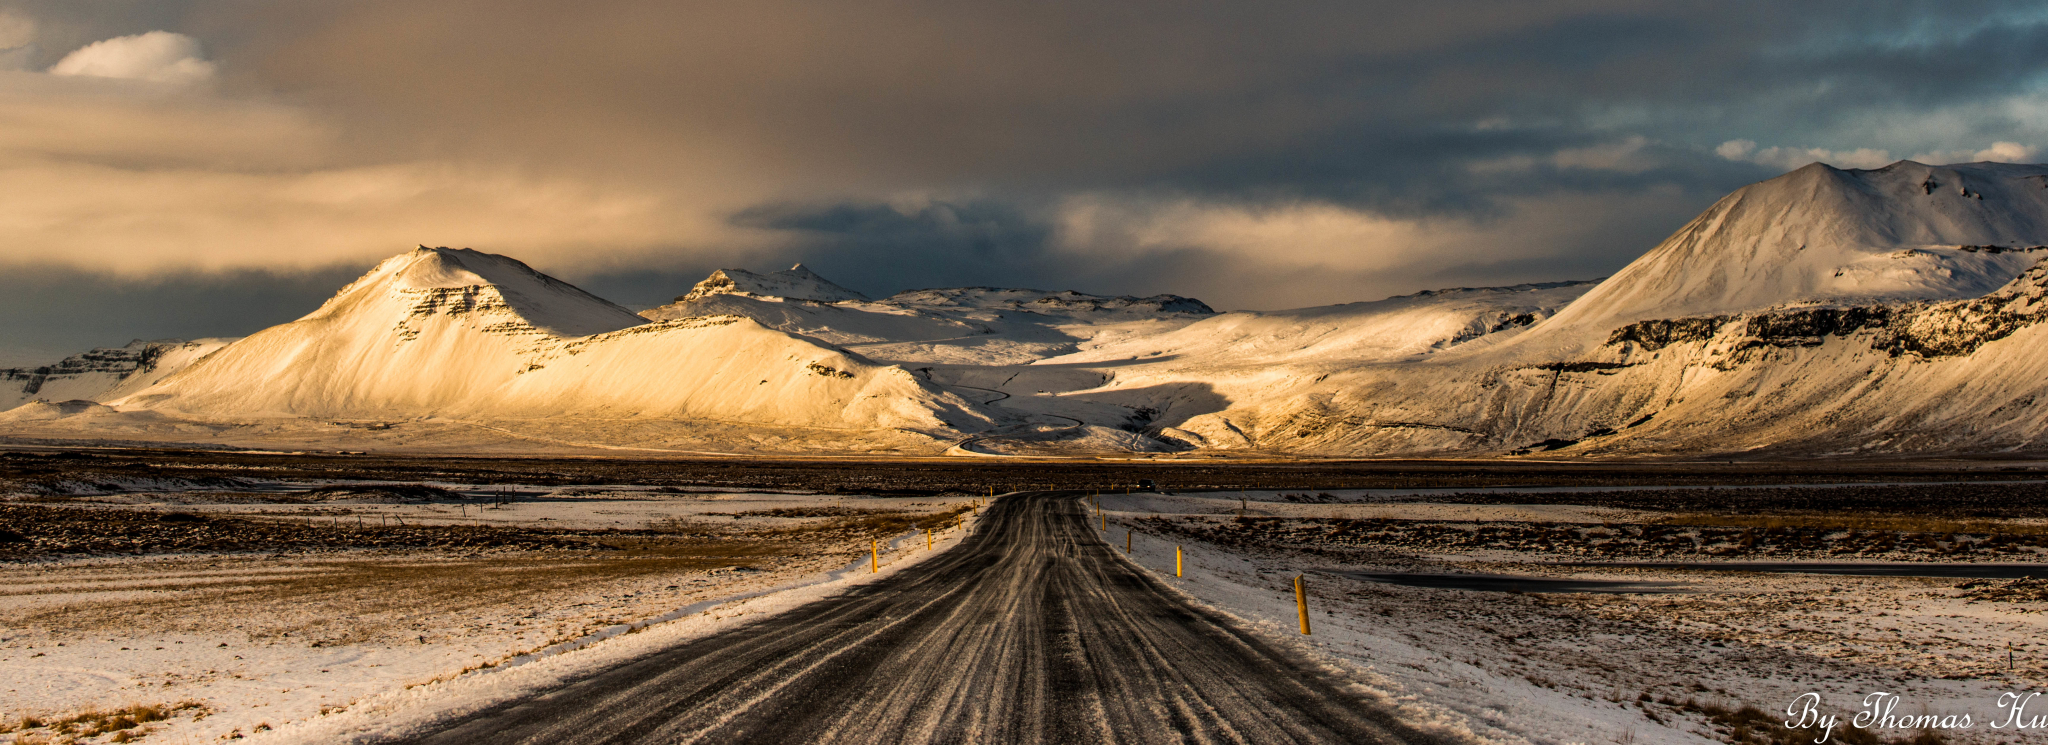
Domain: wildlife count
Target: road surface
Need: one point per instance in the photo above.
(1031, 630)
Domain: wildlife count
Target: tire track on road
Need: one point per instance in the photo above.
(1031, 630)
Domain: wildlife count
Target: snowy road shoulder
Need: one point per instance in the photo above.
(415, 707)
(266, 624)
(1617, 666)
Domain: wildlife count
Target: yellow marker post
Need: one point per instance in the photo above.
(1127, 541)
(1301, 602)
(875, 559)
(927, 539)
(1176, 561)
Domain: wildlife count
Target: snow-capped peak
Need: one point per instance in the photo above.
(794, 283)
(462, 281)
(1823, 235)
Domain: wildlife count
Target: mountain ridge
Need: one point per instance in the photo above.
(1902, 309)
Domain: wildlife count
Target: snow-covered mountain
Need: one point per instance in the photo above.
(1894, 310)
(102, 374)
(469, 336)
(1824, 311)
(1827, 236)
(794, 283)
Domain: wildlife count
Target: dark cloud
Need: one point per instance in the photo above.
(57, 311)
(1056, 95)
(925, 143)
(927, 245)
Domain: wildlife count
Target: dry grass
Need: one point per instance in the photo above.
(883, 523)
(125, 723)
(336, 602)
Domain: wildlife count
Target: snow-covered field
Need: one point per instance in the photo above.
(1594, 666)
(336, 645)
(310, 646)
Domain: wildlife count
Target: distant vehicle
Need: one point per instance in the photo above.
(1147, 485)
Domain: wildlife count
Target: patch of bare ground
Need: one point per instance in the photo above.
(45, 531)
(2026, 590)
(58, 469)
(1665, 538)
(416, 581)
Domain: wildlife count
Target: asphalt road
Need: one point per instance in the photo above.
(1031, 630)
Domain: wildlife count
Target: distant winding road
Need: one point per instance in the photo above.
(1032, 630)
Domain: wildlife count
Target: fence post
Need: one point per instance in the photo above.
(1301, 602)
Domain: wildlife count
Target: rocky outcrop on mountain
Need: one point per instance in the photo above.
(138, 356)
(1924, 330)
(102, 374)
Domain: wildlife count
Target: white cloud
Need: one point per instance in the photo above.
(157, 56)
(1306, 234)
(1789, 158)
(140, 221)
(139, 179)
(1736, 149)
(2008, 152)
(1999, 152)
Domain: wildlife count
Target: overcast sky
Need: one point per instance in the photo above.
(184, 168)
